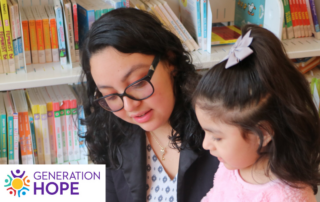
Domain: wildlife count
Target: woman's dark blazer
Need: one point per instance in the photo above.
(128, 184)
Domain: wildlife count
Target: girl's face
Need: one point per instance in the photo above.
(113, 71)
(227, 143)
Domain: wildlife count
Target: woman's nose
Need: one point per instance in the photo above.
(130, 104)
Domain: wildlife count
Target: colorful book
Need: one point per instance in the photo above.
(35, 108)
(288, 19)
(315, 18)
(3, 132)
(249, 12)
(53, 33)
(33, 137)
(67, 10)
(64, 122)
(4, 53)
(18, 33)
(26, 37)
(40, 35)
(46, 33)
(295, 19)
(13, 32)
(20, 102)
(86, 17)
(10, 127)
(7, 34)
(33, 35)
(61, 33)
(51, 124)
(222, 34)
(76, 29)
(57, 124)
(305, 17)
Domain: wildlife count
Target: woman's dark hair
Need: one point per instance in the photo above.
(265, 91)
(134, 31)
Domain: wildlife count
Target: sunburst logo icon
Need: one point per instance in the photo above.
(17, 183)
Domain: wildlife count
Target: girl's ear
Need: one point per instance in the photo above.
(267, 132)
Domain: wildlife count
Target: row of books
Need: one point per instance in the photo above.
(306, 64)
(41, 126)
(300, 19)
(164, 13)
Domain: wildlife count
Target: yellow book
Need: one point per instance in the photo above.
(37, 126)
(33, 35)
(7, 34)
(3, 48)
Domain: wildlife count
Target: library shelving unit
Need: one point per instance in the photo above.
(54, 73)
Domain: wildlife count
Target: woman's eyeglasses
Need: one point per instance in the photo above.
(138, 90)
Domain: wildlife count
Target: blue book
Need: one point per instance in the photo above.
(21, 53)
(86, 18)
(3, 132)
(61, 34)
(249, 12)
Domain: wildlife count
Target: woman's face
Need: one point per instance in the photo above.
(113, 71)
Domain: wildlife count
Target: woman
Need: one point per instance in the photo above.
(140, 121)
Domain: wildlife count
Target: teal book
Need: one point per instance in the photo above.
(249, 12)
(3, 132)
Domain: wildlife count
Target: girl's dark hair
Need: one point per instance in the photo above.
(134, 31)
(265, 91)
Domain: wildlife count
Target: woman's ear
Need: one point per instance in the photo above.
(267, 132)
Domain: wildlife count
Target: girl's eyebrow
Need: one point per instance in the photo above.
(212, 130)
(132, 69)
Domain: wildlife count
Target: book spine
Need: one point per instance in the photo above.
(47, 42)
(295, 20)
(83, 24)
(301, 21)
(310, 17)
(28, 141)
(10, 138)
(69, 27)
(51, 133)
(18, 36)
(16, 138)
(14, 37)
(39, 138)
(205, 40)
(64, 132)
(288, 19)
(61, 36)
(314, 16)
(82, 131)
(4, 54)
(45, 133)
(33, 42)
(305, 16)
(69, 134)
(4, 148)
(75, 144)
(58, 135)
(54, 40)
(26, 40)
(40, 42)
(34, 141)
(284, 28)
(76, 32)
(7, 34)
(199, 24)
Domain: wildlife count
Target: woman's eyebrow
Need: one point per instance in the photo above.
(131, 70)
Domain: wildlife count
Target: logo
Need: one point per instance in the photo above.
(17, 183)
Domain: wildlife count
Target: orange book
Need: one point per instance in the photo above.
(40, 36)
(33, 35)
(53, 34)
(46, 33)
(295, 19)
(304, 11)
(25, 29)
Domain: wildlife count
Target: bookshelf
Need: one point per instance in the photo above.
(54, 73)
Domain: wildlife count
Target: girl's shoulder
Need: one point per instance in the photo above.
(285, 193)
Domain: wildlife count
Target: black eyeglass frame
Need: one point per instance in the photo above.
(147, 78)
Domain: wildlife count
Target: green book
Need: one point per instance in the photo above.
(288, 19)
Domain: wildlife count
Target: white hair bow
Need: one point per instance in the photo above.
(240, 50)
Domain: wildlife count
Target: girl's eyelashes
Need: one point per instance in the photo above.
(216, 139)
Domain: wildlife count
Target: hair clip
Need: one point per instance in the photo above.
(240, 50)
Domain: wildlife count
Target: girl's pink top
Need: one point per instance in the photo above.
(230, 187)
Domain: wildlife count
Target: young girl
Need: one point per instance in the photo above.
(261, 123)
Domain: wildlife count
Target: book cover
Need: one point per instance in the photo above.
(7, 34)
(3, 132)
(61, 35)
(222, 34)
(85, 19)
(249, 12)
